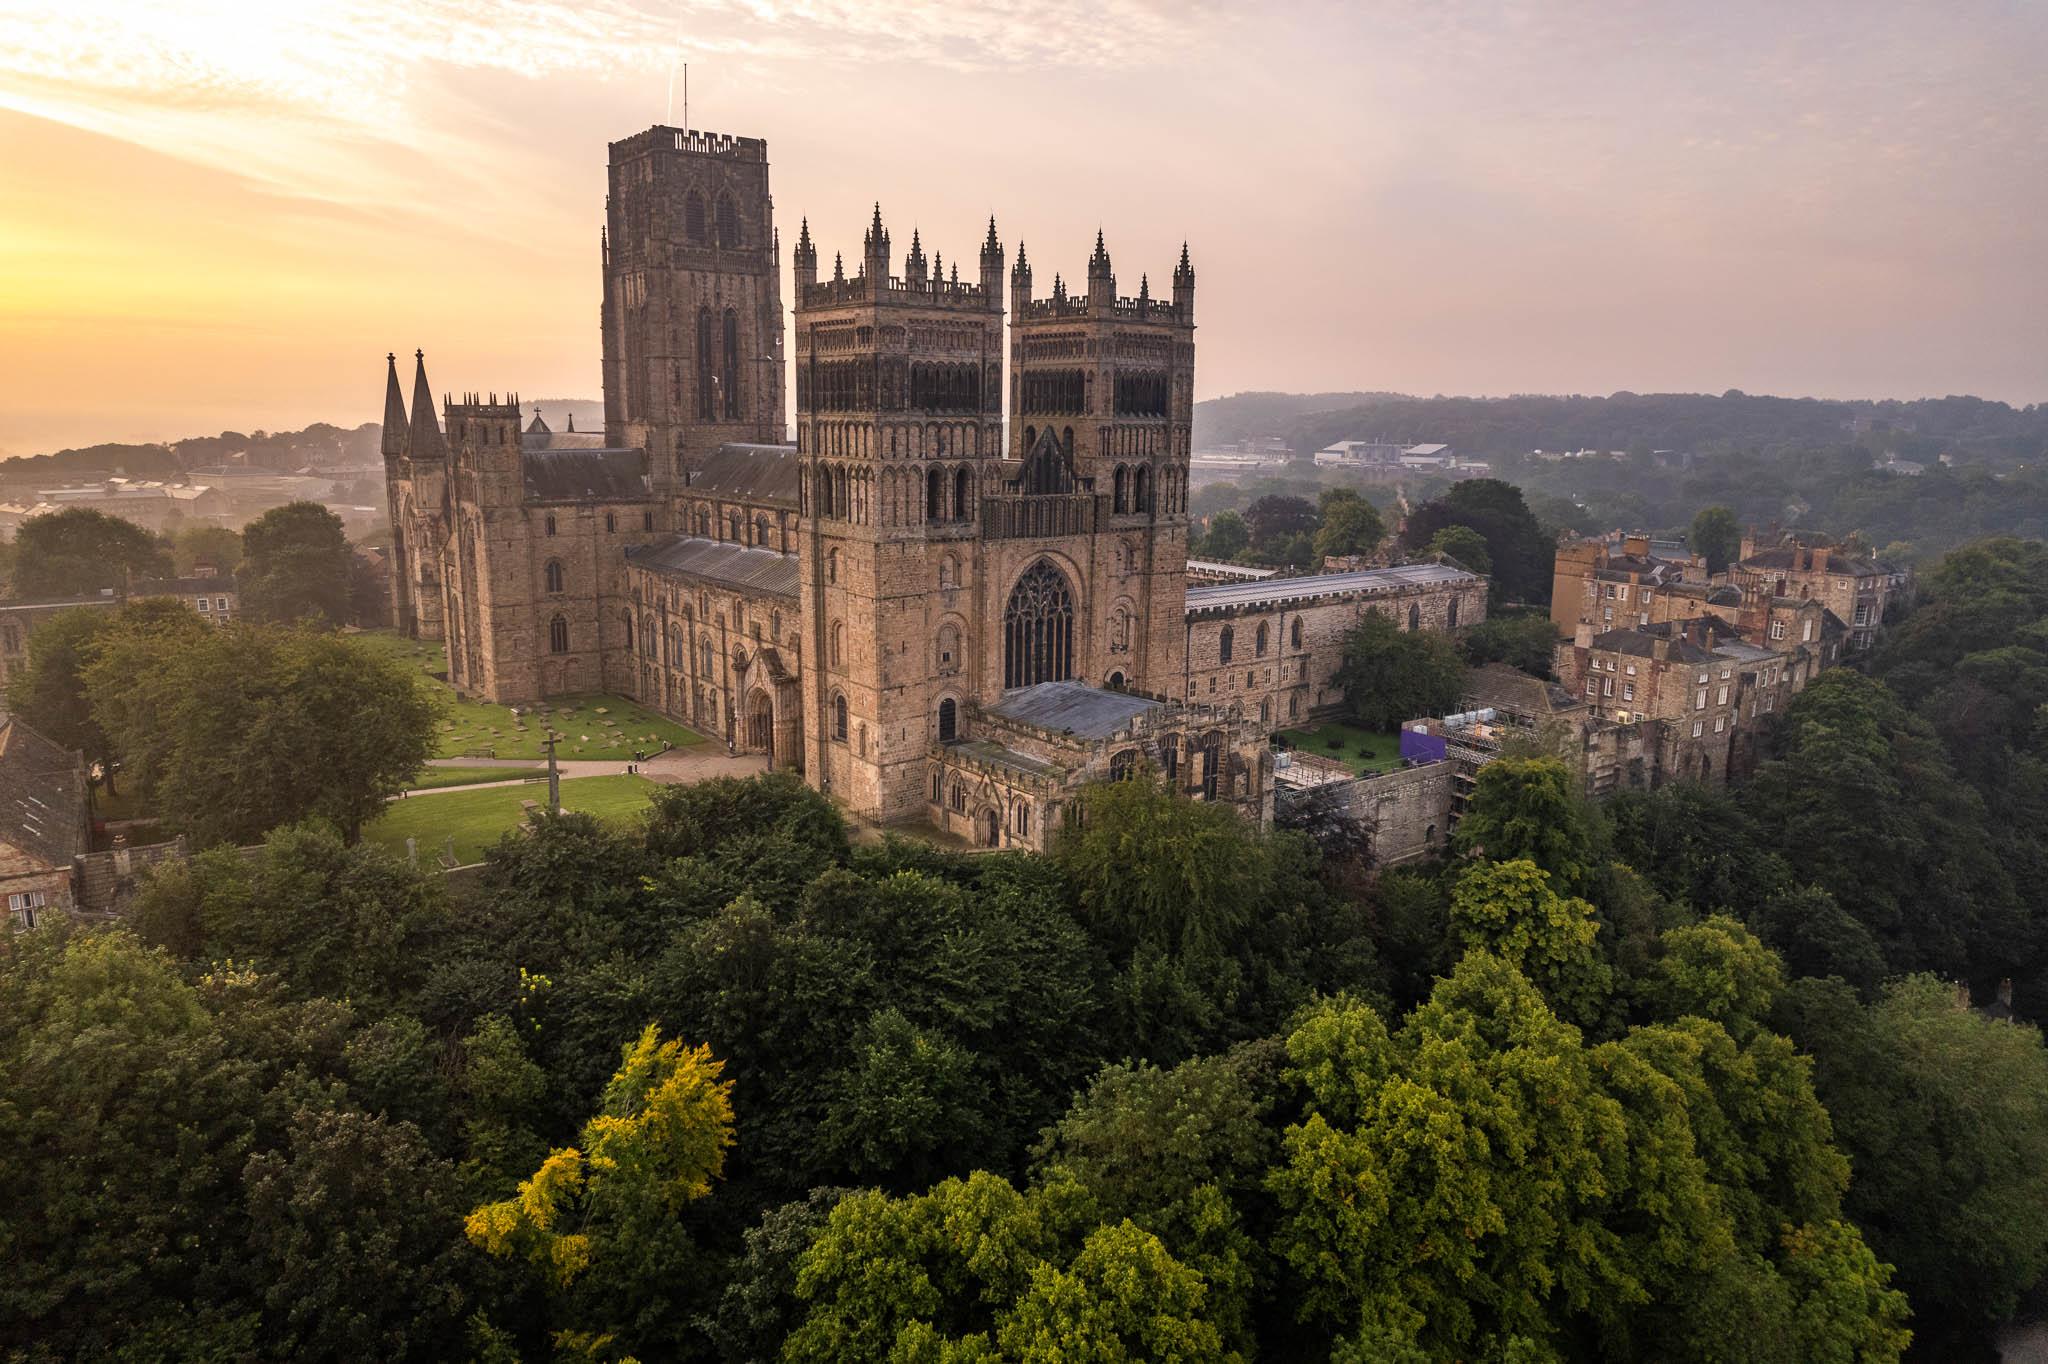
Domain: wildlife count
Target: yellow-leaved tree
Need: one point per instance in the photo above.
(598, 1220)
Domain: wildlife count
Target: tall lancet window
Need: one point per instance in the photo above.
(1038, 629)
(706, 399)
(732, 363)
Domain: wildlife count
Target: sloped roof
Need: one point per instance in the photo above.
(585, 475)
(1507, 688)
(1071, 707)
(42, 795)
(750, 473)
(1316, 585)
(719, 561)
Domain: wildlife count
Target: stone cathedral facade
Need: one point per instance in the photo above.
(960, 594)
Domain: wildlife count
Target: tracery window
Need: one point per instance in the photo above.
(728, 222)
(1227, 644)
(558, 635)
(732, 363)
(1038, 628)
(556, 577)
(706, 408)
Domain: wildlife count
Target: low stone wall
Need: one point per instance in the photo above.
(106, 881)
(1409, 810)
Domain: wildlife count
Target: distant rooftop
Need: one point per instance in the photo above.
(1318, 585)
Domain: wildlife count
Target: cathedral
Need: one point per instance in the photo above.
(954, 600)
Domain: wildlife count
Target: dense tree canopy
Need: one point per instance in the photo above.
(79, 551)
(1390, 675)
(1519, 553)
(299, 566)
(1349, 524)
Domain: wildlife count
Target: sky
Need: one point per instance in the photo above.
(222, 216)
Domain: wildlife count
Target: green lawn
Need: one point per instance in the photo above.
(1362, 750)
(476, 819)
(602, 728)
(434, 778)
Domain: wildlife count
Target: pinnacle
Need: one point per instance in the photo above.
(393, 443)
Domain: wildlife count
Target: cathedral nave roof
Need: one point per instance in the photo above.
(721, 562)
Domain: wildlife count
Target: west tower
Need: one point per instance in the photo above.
(692, 312)
(899, 426)
(1102, 405)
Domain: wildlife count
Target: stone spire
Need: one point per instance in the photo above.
(425, 440)
(805, 258)
(914, 263)
(838, 268)
(875, 249)
(394, 411)
(1020, 279)
(1101, 281)
(1184, 286)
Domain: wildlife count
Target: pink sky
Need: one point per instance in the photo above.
(220, 215)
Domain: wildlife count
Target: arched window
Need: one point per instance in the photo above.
(1038, 628)
(1451, 614)
(1023, 818)
(707, 408)
(1114, 682)
(551, 524)
(832, 566)
(949, 720)
(938, 786)
(693, 216)
(949, 648)
(629, 632)
(1295, 635)
(1227, 645)
(728, 222)
(947, 573)
(761, 530)
(649, 637)
(839, 717)
(1414, 617)
(775, 625)
(1120, 497)
(1141, 491)
(558, 635)
(935, 496)
(963, 499)
(959, 796)
(732, 363)
(838, 643)
(732, 526)
(556, 578)
(1260, 644)
(611, 523)
(1123, 765)
(704, 656)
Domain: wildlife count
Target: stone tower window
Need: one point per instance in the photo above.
(1414, 617)
(611, 523)
(558, 635)
(1295, 634)
(949, 648)
(838, 643)
(1451, 615)
(963, 500)
(1260, 646)
(1038, 628)
(832, 566)
(728, 222)
(693, 217)
(556, 578)
(629, 632)
(731, 375)
(706, 397)
(551, 525)
(839, 718)
(949, 720)
(1226, 645)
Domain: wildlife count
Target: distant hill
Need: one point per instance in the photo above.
(1990, 432)
(318, 444)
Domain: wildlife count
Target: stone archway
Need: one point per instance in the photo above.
(761, 725)
(988, 826)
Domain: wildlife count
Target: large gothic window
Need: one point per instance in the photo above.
(949, 720)
(728, 222)
(1038, 629)
(693, 216)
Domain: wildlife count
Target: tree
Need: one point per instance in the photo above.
(78, 551)
(299, 565)
(1532, 808)
(1390, 675)
(1945, 1115)
(1510, 910)
(1463, 546)
(231, 732)
(601, 1217)
(1350, 525)
(1275, 518)
(47, 691)
(1527, 643)
(215, 545)
(1226, 538)
(1717, 535)
(1522, 555)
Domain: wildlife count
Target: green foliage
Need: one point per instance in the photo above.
(1391, 675)
(1527, 643)
(1226, 537)
(229, 732)
(1463, 546)
(215, 545)
(47, 689)
(299, 566)
(1717, 535)
(78, 551)
(1510, 910)
(1944, 1114)
(1350, 524)
(1532, 808)
(1716, 970)
(1521, 555)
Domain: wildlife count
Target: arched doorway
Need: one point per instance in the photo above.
(990, 826)
(1038, 628)
(761, 725)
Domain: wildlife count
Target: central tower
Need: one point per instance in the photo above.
(899, 417)
(692, 312)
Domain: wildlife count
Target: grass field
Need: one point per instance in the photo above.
(602, 728)
(435, 778)
(476, 819)
(1362, 750)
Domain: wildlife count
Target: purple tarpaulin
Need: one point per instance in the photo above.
(1421, 748)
